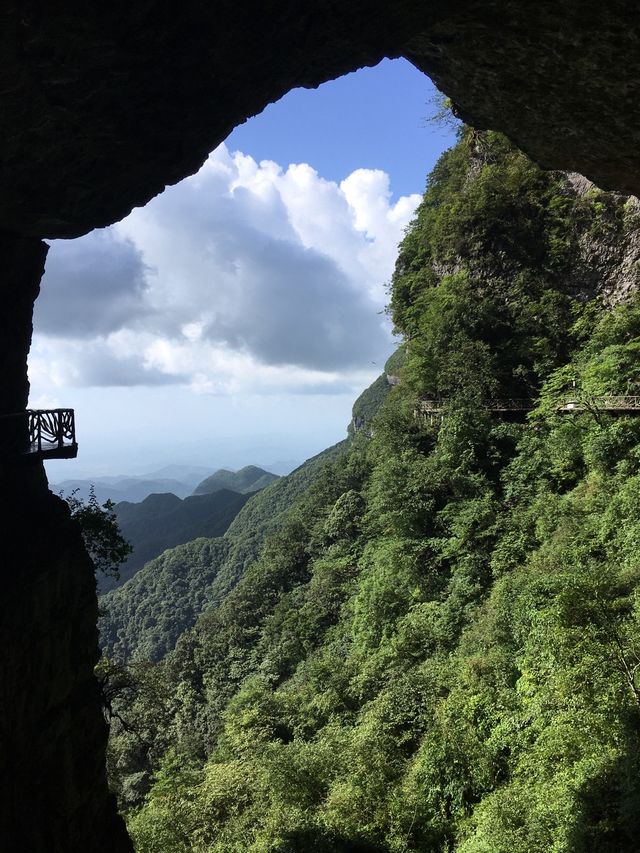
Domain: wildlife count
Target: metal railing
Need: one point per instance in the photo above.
(608, 403)
(436, 407)
(52, 432)
(613, 403)
(46, 433)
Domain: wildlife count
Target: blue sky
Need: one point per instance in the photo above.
(375, 118)
(236, 317)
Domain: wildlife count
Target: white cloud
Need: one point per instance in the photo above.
(245, 277)
(94, 285)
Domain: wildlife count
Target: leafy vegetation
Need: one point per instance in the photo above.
(145, 617)
(164, 521)
(103, 539)
(438, 645)
(368, 403)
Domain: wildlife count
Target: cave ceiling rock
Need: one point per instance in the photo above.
(105, 106)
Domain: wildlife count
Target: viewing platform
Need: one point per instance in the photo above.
(39, 433)
(611, 404)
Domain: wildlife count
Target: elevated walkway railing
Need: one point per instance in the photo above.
(613, 403)
(42, 433)
(438, 406)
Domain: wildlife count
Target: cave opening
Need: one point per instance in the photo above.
(100, 112)
(235, 317)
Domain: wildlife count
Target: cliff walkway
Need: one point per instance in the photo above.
(612, 404)
(41, 433)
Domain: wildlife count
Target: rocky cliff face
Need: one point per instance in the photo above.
(101, 110)
(608, 261)
(52, 733)
(605, 230)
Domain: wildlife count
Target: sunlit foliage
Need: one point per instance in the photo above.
(439, 649)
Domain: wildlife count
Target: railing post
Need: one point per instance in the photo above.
(59, 430)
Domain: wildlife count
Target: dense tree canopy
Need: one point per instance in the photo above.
(439, 648)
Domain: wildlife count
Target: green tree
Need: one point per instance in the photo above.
(98, 522)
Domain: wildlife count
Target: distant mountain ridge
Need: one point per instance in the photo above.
(144, 616)
(180, 480)
(164, 521)
(251, 478)
(132, 489)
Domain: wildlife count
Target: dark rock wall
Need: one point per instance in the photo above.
(54, 796)
(108, 106)
(560, 79)
(22, 264)
(52, 733)
(101, 107)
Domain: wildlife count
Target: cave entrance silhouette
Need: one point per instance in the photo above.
(101, 111)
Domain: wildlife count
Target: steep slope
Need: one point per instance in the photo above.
(247, 479)
(368, 403)
(266, 512)
(145, 616)
(437, 651)
(164, 521)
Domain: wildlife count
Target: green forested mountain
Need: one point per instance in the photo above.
(438, 648)
(367, 405)
(144, 617)
(247, 479)
(164, 521)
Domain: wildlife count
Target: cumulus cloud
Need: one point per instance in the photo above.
(102, 362)
(244, 276)
(92, 286)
